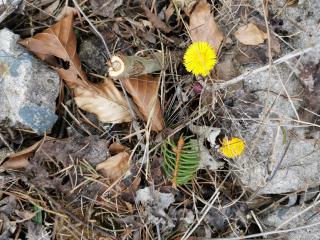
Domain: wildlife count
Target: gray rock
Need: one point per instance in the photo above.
(282, 154)
(28, 88)
(276, 218)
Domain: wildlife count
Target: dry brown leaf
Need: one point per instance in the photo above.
(20, 159)
(114, 167)
(109, 104)
(203, 27)
(274, 41)
(59, 41)
(250, 34)
(144, 92)
(116, 148)
(258, 53)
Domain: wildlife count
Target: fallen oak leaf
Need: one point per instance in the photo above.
(250, 34)
(114, 167)
(60, 41)
(144, 92)
(227, 68)
(203, 27)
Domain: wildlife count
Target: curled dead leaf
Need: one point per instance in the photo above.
(144, 92)
(250, 34)
(258, 53)
(116, 148)
(20, 159)
(203, 27)
(114, 167)
(59, 41)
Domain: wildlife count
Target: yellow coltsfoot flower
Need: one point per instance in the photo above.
(232, 147)
(200, 58)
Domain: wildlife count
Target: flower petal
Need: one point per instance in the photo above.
(200, 58)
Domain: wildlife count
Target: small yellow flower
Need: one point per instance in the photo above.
(200, 58)
(232, 148)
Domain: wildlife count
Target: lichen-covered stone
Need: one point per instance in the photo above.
(28, 88)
